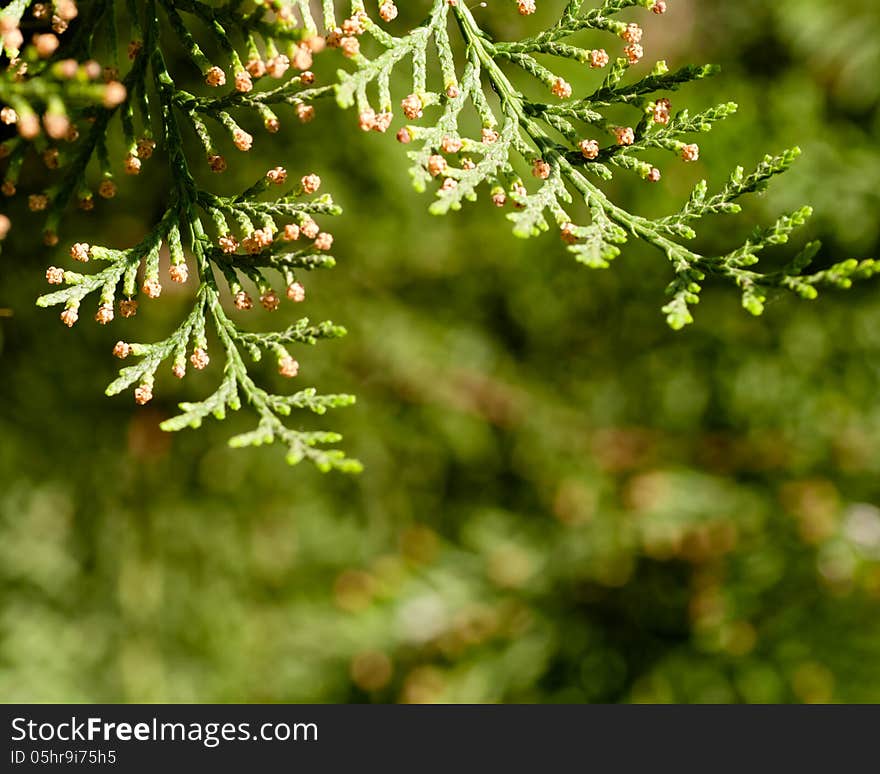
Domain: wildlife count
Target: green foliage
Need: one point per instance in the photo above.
(565, 501)
(148, 96)
(473, 117)
(547, 136)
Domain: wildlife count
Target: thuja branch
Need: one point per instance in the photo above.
(545, 159)
(569, 144)
(241, 240)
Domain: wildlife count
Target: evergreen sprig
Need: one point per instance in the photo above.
(240, 239)
(568, 143)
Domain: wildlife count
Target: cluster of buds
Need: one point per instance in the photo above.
(540, 169)
(132, 164)
(310, 184)
(243, 82)
(303, 57)
(80, 252)
(152, 287)
(589, 149)
(296, 293)
(261, 238)
(634, 53)
(561, 88)
(214, 76)
(632, 33)
(104, 314)
(660, 111)
(370, 120)
(145, 147)
(690, 152)
(387, 11)
(128, 307)
(107, 189)
(228, 243)
(241, 139)
(599, 58)
(632, 36)
(625, 135)
(257, 241)
(270, 300)
(200, 359)
(413, 107)
(437, 165)
(69, 316)
(38, 202)
(310, 229)
(143, 394)
(287, 366)
(526, 7)
(345, 38)
(323, 241)
(278, 175)
(451, 144)
(278, 66)
(255, 67)
(305, 113)
(216, 162)
(179, 273)
(243, 301)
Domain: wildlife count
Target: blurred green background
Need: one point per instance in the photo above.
(563, 500)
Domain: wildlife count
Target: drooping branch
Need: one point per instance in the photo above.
(545, 159)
